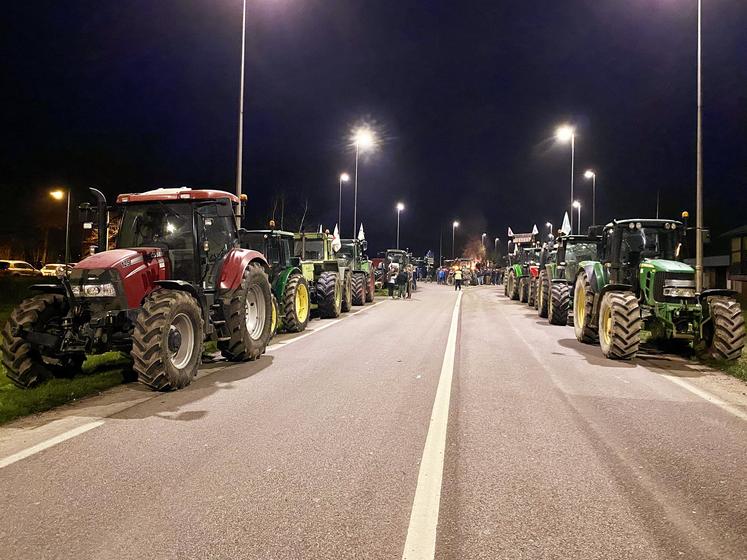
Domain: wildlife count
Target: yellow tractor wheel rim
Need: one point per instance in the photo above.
(338, 295)
(274, 321)
(607, 325)
(580, 305)
(302, 303)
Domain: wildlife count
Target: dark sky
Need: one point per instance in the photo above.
(132, 95)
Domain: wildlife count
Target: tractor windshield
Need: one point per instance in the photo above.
(578, 252)
(396, 257)
(648, 243)
(313, 249)
(347, 251)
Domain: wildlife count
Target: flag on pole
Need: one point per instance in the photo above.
(320, 228)
(535, 231)
(566, 228)
(510, 232)
(336, 244)
(361, 235)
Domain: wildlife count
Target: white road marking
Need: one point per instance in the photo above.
(49, 443)
(421, 533)
(711, 398)
(46, 444)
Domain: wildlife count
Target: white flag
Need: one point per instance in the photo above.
(320, 228)
(535, 231)
(361, 235)
(510, 232)
(566, 229)
(336, 244)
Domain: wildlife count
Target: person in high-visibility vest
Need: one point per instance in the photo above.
(458, 279)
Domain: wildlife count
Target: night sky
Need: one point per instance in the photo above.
(132, 95)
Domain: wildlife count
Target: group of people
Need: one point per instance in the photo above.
(480, 276)
(398, 281)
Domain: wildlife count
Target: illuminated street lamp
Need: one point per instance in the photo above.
(699, 166)
(453, 237)
(482, 241)
(577, 205)
(240, 148)
(59, 194)
(549, 230)
(344, 178)
(364, 140)
(567, 133)
(495, 245)
(591, 174)
(400, 207)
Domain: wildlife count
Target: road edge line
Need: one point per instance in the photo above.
(420, 543)
(705, 395)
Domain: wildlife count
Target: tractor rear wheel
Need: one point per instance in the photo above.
(370, 287)
(329, 295)
(560, 296)
(167, 340)
(726, 334)
(247, 311)
(543, 295)
(583, 306)
(296, 304)
(532, 299)
(359, 289)
(512, 286)
(523, 289)
(26, 365)
(347, 292)
(619, 325)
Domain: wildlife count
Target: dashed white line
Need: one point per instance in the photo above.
(421, 533)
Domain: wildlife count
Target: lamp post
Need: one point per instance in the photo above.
(344, 178)
(240, 149)
(495, 246)
(567, 133)
(59, 195)
(577, 205)
(482, 242)
(549, 229)
(400, 207)
(591, 174)
(699, 167)
(363, 139)
(453, 238)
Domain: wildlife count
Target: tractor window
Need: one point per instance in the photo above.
(578, 252)
(648, 243)
(313, 249)
(347, 251)
(219, 233)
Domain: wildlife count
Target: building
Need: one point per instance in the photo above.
(737, 271)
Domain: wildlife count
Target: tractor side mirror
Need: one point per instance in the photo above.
(364, 245)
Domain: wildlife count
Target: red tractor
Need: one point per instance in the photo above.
(177, 278)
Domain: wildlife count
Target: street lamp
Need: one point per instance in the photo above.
(567, 133)
(482, 241)
(495, 245)
(240, 148)
(400, 207)
(577, 205)
(699, 167)
(344, 178)
(590, 174)
(453, 237)
(364, 139)
(59, 194)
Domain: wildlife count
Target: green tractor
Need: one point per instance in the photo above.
(289, 287)
(354, 253)
(555, 298)
(329, 277)
(638, 282)
(519, 274)
(404, 260)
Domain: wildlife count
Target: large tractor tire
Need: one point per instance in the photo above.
(532, 299)
(370, 287)
(275, 320)
(583, 305)
(619, 325)
(359, 289)
(25, 365)
(329, 295)
(167, 340)
(347, 292)
(247, 311)
(296, 305)
(560, 297)
(726, 333)
(512, 286)
(523, 289)
(543, 295)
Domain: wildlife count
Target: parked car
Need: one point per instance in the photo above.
(18, 268)
(50, 269)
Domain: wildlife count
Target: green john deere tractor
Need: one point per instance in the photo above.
(329, 277)
(354, 253)
(289, 287)
(519, 273)
(404, 260)
(558, 274)
(639, 283)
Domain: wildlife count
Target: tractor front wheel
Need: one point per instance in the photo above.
(558, 305)
(247, 311)
(347, 292)
(167, 340)
(619, 325)
(359, 289)
(523, 290)
(329, 295)
(726, 333)
(512, 286)
(583, 306)
(370, 287)
(532, 299)
(296, 304)
(543, 295)
(26, 365)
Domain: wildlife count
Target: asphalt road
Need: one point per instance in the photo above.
(317, 451)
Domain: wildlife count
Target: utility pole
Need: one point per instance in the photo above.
(240, 149)
(699, 168)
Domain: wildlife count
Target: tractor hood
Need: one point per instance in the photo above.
(661, 265)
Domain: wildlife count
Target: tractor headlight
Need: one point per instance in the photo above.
(94, 290)
(679, 292)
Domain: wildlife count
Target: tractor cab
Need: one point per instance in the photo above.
(398, 256)
(572, 250)
(275, 245)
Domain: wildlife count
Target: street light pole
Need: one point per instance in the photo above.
(240, 149)
(591, 174)
(453, 239)
(364, 139)
(573, 158)
(400, 207)
(567, 133)
(355, 189)
(577, 205)
(344, 178)
(699, 168)
(67, 230)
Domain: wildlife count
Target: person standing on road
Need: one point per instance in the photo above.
(458, 279)
(402, 283)
(392, 278)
